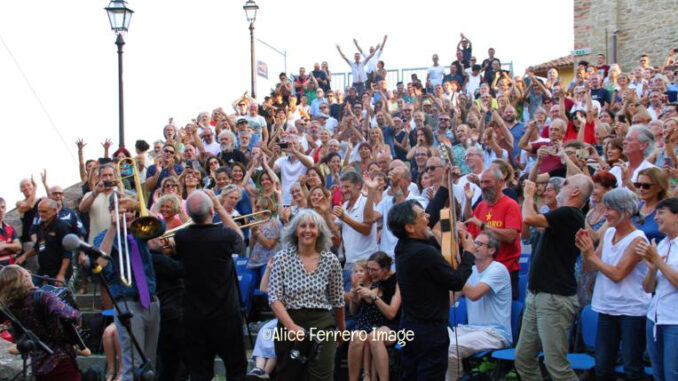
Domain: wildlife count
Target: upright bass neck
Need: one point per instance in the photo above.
(448, 218)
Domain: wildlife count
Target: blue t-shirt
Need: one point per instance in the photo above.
(648, 226)
(494, 308)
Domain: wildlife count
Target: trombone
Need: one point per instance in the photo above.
(144, 227)
(170, 233)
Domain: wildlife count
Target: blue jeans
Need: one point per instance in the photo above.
(425, 357)
(663, 351)
(628, 330)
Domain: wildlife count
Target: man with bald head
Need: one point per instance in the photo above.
(53, 260)
(551, 301)
(212, 316)
(400, 179)
(65, 214)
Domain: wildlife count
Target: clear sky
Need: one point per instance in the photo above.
(58, 64)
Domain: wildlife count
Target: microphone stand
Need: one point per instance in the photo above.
(145, 372)
(26, 344)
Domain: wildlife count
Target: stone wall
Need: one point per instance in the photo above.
(642, 27)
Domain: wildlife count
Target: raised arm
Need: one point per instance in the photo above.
(342, 55)
(358, 46)
(530, 215)
(81, 160)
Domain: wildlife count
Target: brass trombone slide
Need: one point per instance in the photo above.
(143, 227)
(172, 232)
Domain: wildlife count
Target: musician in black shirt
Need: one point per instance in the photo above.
(53, 259)
(425, 279)
(211, 305)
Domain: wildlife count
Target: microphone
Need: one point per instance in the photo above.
(72, 242)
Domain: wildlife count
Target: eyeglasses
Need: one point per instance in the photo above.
(241, 104)
(432, 168)
(443, 119)
(169, 186)
(168, 151)
(479, 243)
(645, 186)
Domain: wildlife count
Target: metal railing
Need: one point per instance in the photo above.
(393, 76)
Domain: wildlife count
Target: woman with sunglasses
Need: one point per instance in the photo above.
(652, 186)
(169, 185)
(618, 295)
(662, 281)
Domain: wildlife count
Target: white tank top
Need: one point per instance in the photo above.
(626, 297)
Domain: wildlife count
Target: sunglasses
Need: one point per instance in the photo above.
(645, 186)
(432, 168)
(168, 151)
(170, 186)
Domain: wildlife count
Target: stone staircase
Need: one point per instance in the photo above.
(90, 306)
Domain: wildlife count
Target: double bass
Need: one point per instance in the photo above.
(448, 218)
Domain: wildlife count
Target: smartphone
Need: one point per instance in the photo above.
(668, 162)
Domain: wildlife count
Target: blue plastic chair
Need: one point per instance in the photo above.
(522, 287)
(620, 370)
(246, 291)
(461, 314)
(241, 265)
(589, 328)
(509, 354)
(525, 263)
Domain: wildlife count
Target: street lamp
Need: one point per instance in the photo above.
(251, 12)
(119, 16)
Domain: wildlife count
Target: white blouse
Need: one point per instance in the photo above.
(627, 296)
(663, 309)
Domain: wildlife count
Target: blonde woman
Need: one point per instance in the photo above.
(168, 208)
(44, 315)
(376, 140)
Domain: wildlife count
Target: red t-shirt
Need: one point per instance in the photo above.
(505, 214)
(589, 133)
(571, 134)
(549, 162)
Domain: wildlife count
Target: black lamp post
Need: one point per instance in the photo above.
(251, 12)
(119, 16)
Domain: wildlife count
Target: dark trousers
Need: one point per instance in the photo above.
(207, 338)
(515, 291)
(425, 357)
(172, 351)
(631, 331)
(319, 365)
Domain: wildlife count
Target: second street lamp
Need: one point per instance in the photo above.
(251, 13)
(120, 16)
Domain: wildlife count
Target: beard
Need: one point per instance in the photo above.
(510, 119)
(489, 194)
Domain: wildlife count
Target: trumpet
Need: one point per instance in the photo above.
(171, 232)
(143, 227)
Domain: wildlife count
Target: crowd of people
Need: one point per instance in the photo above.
(347, 187)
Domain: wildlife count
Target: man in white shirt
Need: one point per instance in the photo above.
(400, 179)
(358, 71)
(291, 167)
(488, 304)
(358, 235)
(639, 143)
(371, 59)
(435, 74)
